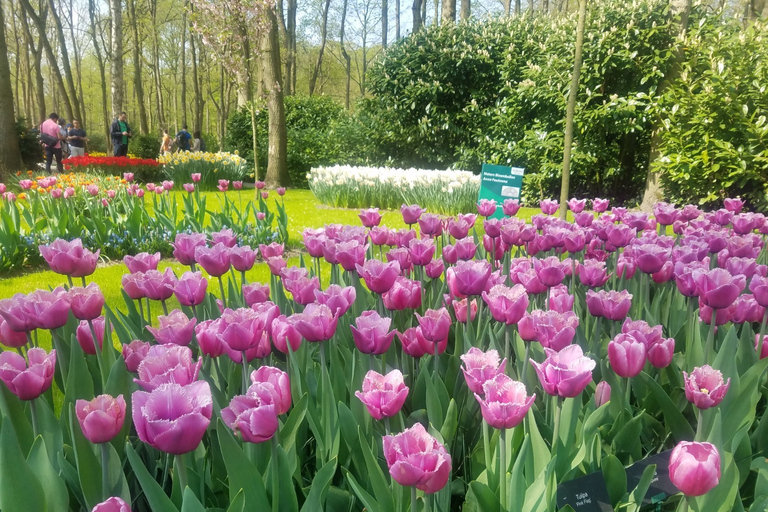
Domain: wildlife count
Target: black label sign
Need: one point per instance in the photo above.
(585, 494)
(661, 486)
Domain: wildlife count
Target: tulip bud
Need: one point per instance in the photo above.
(694, 468)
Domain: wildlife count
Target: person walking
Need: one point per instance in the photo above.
(182, 139)
(63, 129)
(197, 143)
(50, 136)
(77, 139)
(120, 132)
(165, 145)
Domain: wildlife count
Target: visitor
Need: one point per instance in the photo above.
(182, 139)
(50, 136)
(63, 132)
(197, 143)
(165, 145)
(120, 132)
(77, 139)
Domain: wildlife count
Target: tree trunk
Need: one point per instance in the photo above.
(571, 109)
(345, 55)
(384, 20)
(78, 64)
(152, 4)
(321, 50)
(37, 54)
(102, 71)
(72, 90)
(654, 192)
(277, 167)
(465, 9)
(183, 61)
(397, 20)
(449, 11)
(416, 10)
(290, 47)
(423, 13)
(137, 79)
(116, 57)
(518, 7)
(437, 12)
(244, 82)
(10, 156)
(39, 22)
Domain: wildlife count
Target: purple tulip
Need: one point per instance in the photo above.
(480, 367)
(411, 213)
(506, 304)
(316, 323)
(602, 393)
(468, 277)
(661, 352)
(255, 293)
(84, 335)
(142, 262)
(303, 289)
(273, 250)
(383, 395)
(253, 415)
(165, 364)
(185, 246)
(430, 224)
(371, 333)
(350, 254)
(620, 235)
(87, 302)
(215, 260)
(173, 418)
(641, 331)
(370, 217)
(665, 274)
(717, 288)
(592, 273)
(510, 207)
(113, 504)
(11, 338)
(435, 269)
(337, 299)
(190, 289)
(280, 382)
(69, 258)
(241, 329)
(705, 387)
(131, 284)
(560, 300)
(283, 334)
(505, 401)
(627, 355)
(565, 373)
(460, 309)
(459, 227)
(650, 258)
(225, 236)
(733, 204)
(694, 468)
(421, 251)
(156, 285)
(550, 271)
(758, 286)
(417, 459)
(134, 353)
(486, 207)
(611, 304)
(549, 206)
(435, 324)
(49, 310)
(552, 329)
(379, 276)
(208, 333)
(175, 329)
(101, 419)
(242, 258)
(28, 381)
(404, 294)
(577, 205)
(414, 344)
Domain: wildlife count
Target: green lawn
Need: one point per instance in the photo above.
(303, 212)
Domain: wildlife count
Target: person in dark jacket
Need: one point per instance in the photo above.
(121, 132)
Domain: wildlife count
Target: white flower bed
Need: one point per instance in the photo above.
(364, 187)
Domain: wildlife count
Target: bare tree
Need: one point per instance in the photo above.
(384, 20)
(72, 91)
(290, 47)
(116, 57)
(137, 76)
(465, 10)
(10, 156)
(571, 109)
(344, 54)
(277, 165)
(37, 54)
(449, 11)
(321, 50)
(418, 22)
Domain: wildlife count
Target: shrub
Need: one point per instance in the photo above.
(29, 145)
(315, 126)
(144, 146)
(212, 167)
(97, 142)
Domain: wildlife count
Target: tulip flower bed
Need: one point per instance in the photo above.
(431, 372)
(144, 169)
(119, 217)
(209, 167)
(347, 186)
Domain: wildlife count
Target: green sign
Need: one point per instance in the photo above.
(499, 182)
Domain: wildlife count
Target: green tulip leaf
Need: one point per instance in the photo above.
(292, 424)
(190, 502)
(376, 477)
(486, 500)
(237, 504)
(20, 489)
(315, 501)
(54, 488)
(368, 501)
(158, 500)
(86, 462)
(241, 471)
(725, 493)
(680, 428)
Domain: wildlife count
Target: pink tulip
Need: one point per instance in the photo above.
(505, 401)
(549, 206)
(142, 262)
(128, 176)
(592, 273)
(167, 364)
(28, 381)
(185, 246)
(215, 260)
(316, 323)
(280, 382)
(379, 276)
(411, 213)
(694, 468)
(11, 338)
(414, 344)
(661, 352)
(611, 304)
(759, 287)
(84, 335)
(506, 304)
(486, 207)
(577, 205)
(717, 288)
(650, 258)
(704, 387)
(417, 459)
(101, 419)
(253, 415)
(550, 271)
(641, 331)
(190, 289)
(560, 300)
(565, 373)
(338, 299)
(480, 367)
(175, 329)
(421, 251)
(435, 269)
(255, 293)
(371, 333)
(552, 329)
(242, 258)
(113, 504)
(602, 393)
(383, 395)
(156, 285)
(237, 185)
(86, 303)
(404, 294)
(189, 187)
(69, 258)
(733, 204)
(435, 324)
(173, 418)
(350, 254)
(460, 309)
(468, 277)
(225, 236)
(134, 353)
(627, 355)
(510, 207)
(209, 339)
(370, 217)
(283, 334)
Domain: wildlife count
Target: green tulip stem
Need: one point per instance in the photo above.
(33, 411)
(141, 310)
(437, 362)
(699, 425)
(71, 284)
(487, 448)
(165, 307)
(275, 476)
(503, 467)
(182, 468)
(223, 295)
(387, 430)
(507, 336)
(98, 350)
(685, 505)
(628, 395)
(194, 312)
(149, 312)
(105, 494)
(762, 334)
(413, 499)
(710, 336)
(30, 342)
(83, 280)
(245, 373)
(526, 358)
(428, 502)
(556, 432)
